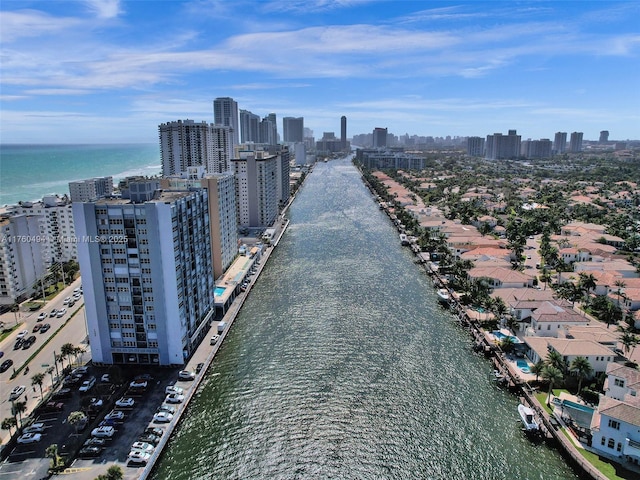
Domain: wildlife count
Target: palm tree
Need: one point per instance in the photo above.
(37, 379)
(619, 292)
(18, 408)
(629, 342)
(75, 419)
(581, 367)
(66, 351)
(552, 375)
(537, 368)
(8, 424)
(506, 344)
(52, 453)
(555, 359)
(586, 283)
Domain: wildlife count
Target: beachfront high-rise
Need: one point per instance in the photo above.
(293, 128)
(91, 189)
(185, 143)
(575, 144)
(148, 280)
(560, 142)
(343, 132)
(225, 112)
(249, 127)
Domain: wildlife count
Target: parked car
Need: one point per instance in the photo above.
(199, 367)
(30, 438)
(138, 457)
(91, 451)
(45, 327)
(87, 385)
(174, 398)
(6, 365)
(166, 408)
(173, 389)
(66, 300)
(125, 402)
(162, 417)
(95, 442)
(80, 371)
(34, 428)
(186, 375)
(18, 344)
(105, 378)
(103, 432)
(62, 393)
(138, 384)
(142, 447)
(16, 392)
(114, 415)
(149, 438)
(53, 407)
(41, 317)
(214, 339)
(157, 431)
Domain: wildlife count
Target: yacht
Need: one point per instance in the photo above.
(528, 418)
(404, 240)
(443, 295)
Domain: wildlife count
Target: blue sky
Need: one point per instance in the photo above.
(109, 71)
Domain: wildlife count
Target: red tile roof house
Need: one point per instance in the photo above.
(501, 277)
(550, 317)
(598, 355)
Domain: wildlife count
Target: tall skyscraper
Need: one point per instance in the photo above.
(225, 112)
(560, 142)
(379, 137)
(221, 151)
(148, 284)
(575, 143)
(269, 130)
(604, 136)
(343, 132)
(292, 129)
(249, 127)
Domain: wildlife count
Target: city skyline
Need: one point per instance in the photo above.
(422, 68)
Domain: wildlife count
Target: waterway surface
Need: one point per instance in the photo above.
(342, 365)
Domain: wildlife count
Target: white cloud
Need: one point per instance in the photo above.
(104, 9)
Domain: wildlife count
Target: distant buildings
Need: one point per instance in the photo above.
(148, 285)
(91, 189)
(560, 143)
(604, 136)
(343, 132)
(575, 143)
(328, 144)
(225, 112)
(475, 146)
(379, 137)
(536, 148)
(500, 146)
(293, 129)
(386, 159)
(249, 127)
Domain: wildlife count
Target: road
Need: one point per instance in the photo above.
(74, 332)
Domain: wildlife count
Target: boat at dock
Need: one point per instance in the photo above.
(528, 418)
(404, 240)
(443, 296)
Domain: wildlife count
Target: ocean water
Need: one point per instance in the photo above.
(28, 172)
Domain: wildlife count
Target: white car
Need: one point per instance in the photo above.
(105, 378)
(136, 456)
(22, 334)
(114, 415)
(42, 316)
(79, 371)
(103, 432)
(125, 402)
(30, 438)
(138, 384)
(174, 398)
(34, 428)
(61, 312)
(66, 301)
(186, 375)
(142, 447)
(16, 392)
(162, 417)
(173, 389)
(87, 385)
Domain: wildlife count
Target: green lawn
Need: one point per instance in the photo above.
(609, 469)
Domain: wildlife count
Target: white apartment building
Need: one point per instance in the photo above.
(91, 189)
(283, 173)
(185, 144)
(147, 278)
(22, 252)
(256, 174)
(225, 112)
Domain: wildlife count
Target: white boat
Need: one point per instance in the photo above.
(404, 240)
(443, 295)
(528, 418)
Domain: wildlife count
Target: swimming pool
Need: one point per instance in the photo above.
(523, 365)
(218, 291)
(500, 336)
(577, 406)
